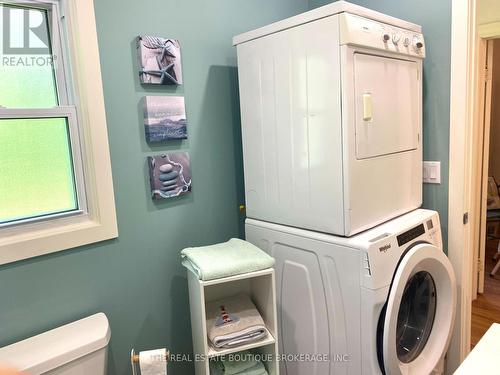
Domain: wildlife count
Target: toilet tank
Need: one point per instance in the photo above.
(78, 348)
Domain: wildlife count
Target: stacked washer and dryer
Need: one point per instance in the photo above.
(331, 112)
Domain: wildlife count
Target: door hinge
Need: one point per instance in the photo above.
(487, 74)
(466, 218)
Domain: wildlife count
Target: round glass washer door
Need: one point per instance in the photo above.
(416, 316)
(420, 312)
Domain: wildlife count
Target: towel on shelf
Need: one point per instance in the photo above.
(238, 362)
(258, 369)
(217, 368)
(233, 322)
(243, 363)
(230, 258)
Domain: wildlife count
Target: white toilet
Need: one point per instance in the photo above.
(78, 348)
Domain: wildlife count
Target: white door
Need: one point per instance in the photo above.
(387, 105)
(419, 313)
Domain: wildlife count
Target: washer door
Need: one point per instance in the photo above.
(420, 312)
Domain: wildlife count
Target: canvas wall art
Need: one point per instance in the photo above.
(170, 175)
(164, 118)
(159, 60)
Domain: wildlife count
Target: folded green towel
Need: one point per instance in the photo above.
(238, 362)
(225, 367)
(258, 369)
(230, 258)
(216, 367)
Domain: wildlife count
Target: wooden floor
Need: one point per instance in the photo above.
(486, 308)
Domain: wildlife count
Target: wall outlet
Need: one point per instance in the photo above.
(432, 172)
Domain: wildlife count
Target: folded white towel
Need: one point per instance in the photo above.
(233, 322)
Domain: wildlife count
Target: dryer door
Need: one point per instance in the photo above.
(420, 312)
(388, 105)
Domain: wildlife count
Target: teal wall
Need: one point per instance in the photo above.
(137, 279)
(435, 18)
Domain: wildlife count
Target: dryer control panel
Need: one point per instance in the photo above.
(363, 32)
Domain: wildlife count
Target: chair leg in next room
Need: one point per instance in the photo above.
(497, 265)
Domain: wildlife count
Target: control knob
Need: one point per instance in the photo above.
(417, 43)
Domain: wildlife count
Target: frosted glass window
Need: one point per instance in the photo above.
(27, 76)
(36, 168)
(37, 176)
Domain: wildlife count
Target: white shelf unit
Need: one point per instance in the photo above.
(260, 286)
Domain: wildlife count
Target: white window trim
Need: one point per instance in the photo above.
(99, 222)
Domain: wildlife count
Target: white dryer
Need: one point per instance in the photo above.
(331, 113)
(380, 302)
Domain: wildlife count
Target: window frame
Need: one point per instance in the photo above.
(78, 81)
(68, 113)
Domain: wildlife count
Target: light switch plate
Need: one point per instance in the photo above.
(432, 172)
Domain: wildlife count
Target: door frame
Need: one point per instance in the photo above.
(462, 120)
(481, 157)
(467, 38)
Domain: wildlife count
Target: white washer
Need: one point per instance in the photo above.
(380, 302)
(331, 113)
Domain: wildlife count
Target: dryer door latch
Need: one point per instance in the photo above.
(367, 107)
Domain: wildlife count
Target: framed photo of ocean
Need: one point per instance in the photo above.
(164, 118)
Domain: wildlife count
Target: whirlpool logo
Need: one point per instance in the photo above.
(384, 248)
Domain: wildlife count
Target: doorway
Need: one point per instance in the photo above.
(486, 206)
(473, 22)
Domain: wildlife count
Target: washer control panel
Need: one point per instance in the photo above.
(356, 30)
(385, 244)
